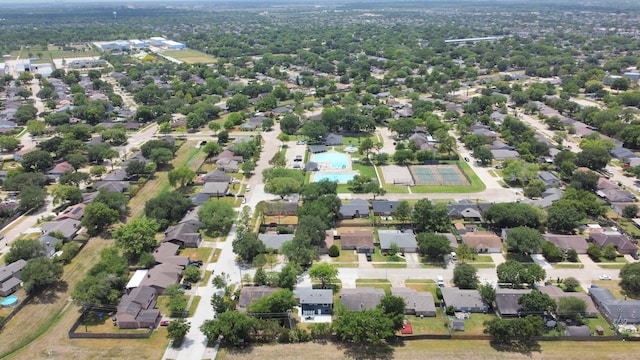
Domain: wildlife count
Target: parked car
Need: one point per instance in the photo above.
(248, 188)
(300, 142)
(498, 166)
(466, 159)
(369, 257)
(165, 322)
(197, 263)
(240, 195)
(604, 277)
(230, 194)
(186, 285)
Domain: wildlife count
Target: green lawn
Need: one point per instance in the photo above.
(611, 266)
(201, 253)
(194, 305)
(365, 170)
(345, 255)
(377, 256)
(390, 265)
(426, 286)
(567, 266)
(437, 325)
(374, 284)
(481, 259)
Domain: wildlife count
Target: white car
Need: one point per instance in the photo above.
(604, 277)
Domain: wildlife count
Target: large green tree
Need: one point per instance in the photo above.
(433, 246)
(537, 303)
(97, 217)
(136, 237)
(167, 208)
(39, 273)
(465, 276)
(630, 279)
(524, 240)
(430, 217)
(324, 272)
(234, 327)
(24, 249)
(217, 215)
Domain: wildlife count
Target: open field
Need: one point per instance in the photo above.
(445, 350)
(190, 56)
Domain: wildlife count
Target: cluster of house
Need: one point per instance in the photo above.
(137, 307)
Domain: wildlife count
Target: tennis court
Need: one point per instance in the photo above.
(438, 175)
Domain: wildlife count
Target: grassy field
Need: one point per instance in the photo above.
(436, 349)
(425, 285)
(374, 283)
(190, 56)
(49, 317)
(345, 255)
(187, 155)
(201, 253)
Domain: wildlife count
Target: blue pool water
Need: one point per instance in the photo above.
(340, 178)
(337, 160)
(9, 301)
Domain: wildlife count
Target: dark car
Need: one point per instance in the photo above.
(466, 159)
(240, 195)
(197, 263)
(186, 285)
(230, 194)
(368, 256)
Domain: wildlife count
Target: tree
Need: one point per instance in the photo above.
(535, 188)
(161, 156)
(524, 240)
(167, 208)
(571, 284)
(192, 274)
(77, 160)
(135, 168)
(212, 149)
(433, 246)
(514, 273)
(233, 326)
(464, 276)
(537, 303)
(114, 200)
(177, 330)
(551, 252)
(216, 216)
(31, 197)
(74, 178)
(334, 251)
(247, 167)
(238, 102)
(516, 332)
(24, 249)
(66, 194)
(97, 217)
(488, 293)
(324, 272)
(279, 301)
(282, 186)
(37, 161)
(403, 157)
(182, 176)
(290, 124)
(630, 211)
(150, 145)
(394, 308)
(288, 277)
(584, 180)
(9, 143)
(260, 277)
(593, 157)
(18, 180)
(483, 153)
(572, 255)
(429, 217)
(403, 211)
(136, 237)
(223, 137)
(563, 219)
(314, 131)
(247, 246)
(366, 326)
(571, 307)
(630, 279)
(40, 273)
(609, 252)
(510, 215)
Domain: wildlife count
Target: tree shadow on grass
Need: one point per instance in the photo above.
(522, 347)
(51, 293)
(366, 352)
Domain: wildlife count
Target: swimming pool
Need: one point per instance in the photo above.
(337, 160)
(339, 178)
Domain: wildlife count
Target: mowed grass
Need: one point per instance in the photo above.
(186, 154)
(49, 318)
(435, 349)
(190, 56)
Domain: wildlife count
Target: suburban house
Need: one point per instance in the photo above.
(557, 293)
(249, 294)
(507, 301)
(616, 195)
(227, 165)
(384, 207)
(356, 208)
(162, 275)
(75, 212)
(619, 207)
(549, 179)
(357, 299)
(467, 210)
(616, 311)
(67, 227)
(116, 175)
(273, 240)
(49, 243)
(417, 303)
(464, 300)
(166, 254)
(278, 208)
(333, 140)
(314, 301)
(546, 198)
(137, 309)
(10, 277)
(199, 198)
(622, 243)
(228, 154)
(112, 186)
(502, 155)
(59, 169)
(483, 242)
(405, 240)
(329, 240)
(216, 175)
(316, 149)
(567, 242)
(361, 241)
(184, 234)
(215, 189)
(136, 279)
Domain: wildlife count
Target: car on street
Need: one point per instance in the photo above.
(498, 166)
(604, 277)
(466, 159)
(248, 188)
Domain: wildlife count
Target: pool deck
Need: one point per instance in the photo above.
(327, 169)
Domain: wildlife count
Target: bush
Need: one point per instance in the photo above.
(594, 253)
(69, 251)
(192, 274)
(439, 293)
(572, 255)
(334, 251)
(281, 229)
(146, 261)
